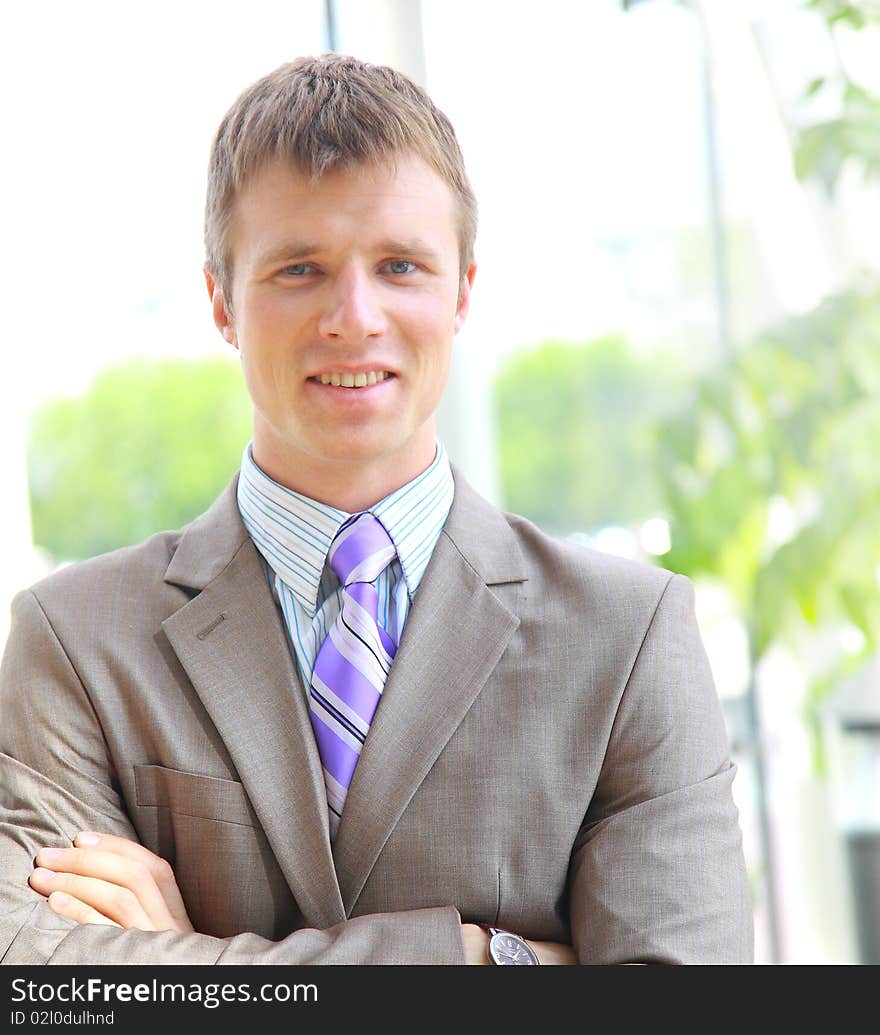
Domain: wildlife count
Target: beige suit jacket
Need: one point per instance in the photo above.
(549, 756)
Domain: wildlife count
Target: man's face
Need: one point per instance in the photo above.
(353, 279)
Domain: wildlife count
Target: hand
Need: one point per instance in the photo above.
(476, 948)
(110, 880)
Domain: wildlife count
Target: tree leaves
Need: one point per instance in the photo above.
(576, 432)
(148, 447)
(766, 467)
(810, 445)
(822, 150)
(840, 12)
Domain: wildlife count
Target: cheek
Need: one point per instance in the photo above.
(436, 364)
(269, 318)
(262, 360)
(268, 338)
(252, 379)
(430, 325)
(255, 330)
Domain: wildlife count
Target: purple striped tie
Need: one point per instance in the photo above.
(355, 658)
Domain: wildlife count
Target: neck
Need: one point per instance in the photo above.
(351, 486)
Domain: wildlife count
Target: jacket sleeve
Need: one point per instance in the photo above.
(658, 873)
(57, 778)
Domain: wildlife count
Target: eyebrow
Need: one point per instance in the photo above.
(295, 251)
(292, 251)
(414, 246)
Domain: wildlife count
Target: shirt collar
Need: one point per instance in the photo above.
(293, 533)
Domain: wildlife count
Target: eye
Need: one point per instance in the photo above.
(399, 266)
(297, 269)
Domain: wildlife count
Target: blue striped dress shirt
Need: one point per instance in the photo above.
(293, 535)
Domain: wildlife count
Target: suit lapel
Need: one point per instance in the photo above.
(231, 641)
(455, 634)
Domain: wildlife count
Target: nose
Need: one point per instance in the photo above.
(352, 311)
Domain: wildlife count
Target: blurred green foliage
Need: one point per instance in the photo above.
(823, 149)
(147, 447)
(857, 15)
(576, 426)
(765, 466)
(788, 428)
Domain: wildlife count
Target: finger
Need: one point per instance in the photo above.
(114, 870)
(109, 900)
(159, 868)
(67, 906)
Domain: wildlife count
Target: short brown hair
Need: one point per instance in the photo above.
(322, 114)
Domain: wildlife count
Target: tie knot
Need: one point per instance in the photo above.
(361, 550)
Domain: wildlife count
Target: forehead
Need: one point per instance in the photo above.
(397, 198)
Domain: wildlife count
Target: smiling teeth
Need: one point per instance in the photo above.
(369, 377)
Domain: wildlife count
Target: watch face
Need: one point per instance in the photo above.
(509, 950)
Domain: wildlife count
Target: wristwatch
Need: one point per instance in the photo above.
(509, 950)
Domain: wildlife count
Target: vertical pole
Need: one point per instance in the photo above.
(330, 31)
(713, 183)
(757, 745)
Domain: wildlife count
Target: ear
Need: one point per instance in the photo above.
(464, 297)
(222, 314)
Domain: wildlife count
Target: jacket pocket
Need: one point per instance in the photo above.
(202, 797)
(224, 866)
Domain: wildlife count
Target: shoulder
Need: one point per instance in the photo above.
(565, 556)
(568, 569)
(152, 575)
(133, 574)
(509, 548)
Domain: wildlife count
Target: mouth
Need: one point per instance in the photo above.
(352, 381)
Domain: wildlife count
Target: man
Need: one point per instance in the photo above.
(353, 712)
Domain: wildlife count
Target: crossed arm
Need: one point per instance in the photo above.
(661, 845)
(105, 879)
